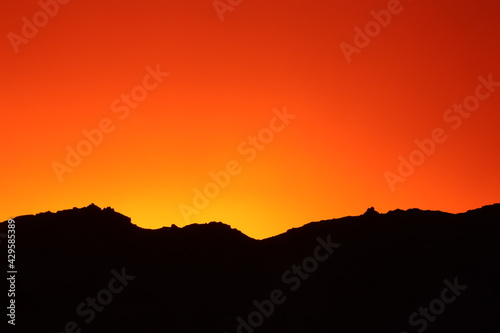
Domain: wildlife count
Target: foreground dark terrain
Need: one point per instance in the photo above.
(92, 270)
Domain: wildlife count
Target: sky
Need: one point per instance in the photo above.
(264, 115)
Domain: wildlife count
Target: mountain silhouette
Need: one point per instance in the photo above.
(93, 270)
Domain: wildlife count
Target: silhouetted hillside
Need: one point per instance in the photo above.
(370, 273)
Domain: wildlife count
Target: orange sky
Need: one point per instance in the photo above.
(354, 113)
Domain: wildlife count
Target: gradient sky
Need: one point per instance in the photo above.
(352, 119)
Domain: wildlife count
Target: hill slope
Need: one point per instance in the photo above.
(92, 270)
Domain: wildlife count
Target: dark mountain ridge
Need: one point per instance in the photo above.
(209, 277)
